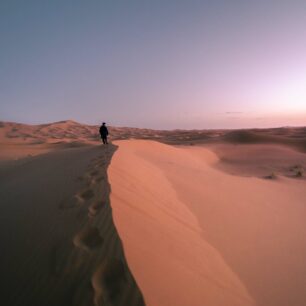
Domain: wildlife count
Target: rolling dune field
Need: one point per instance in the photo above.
(210, 217)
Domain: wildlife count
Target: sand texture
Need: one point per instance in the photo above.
(22, 140)
(59, 243)
(157, 218)
(195, 235)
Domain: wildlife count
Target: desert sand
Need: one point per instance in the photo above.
(156, 218)
(59, 243)
(217, 239)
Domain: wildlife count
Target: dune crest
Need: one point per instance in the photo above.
(195, 235)
(58, 232)
(162, 238)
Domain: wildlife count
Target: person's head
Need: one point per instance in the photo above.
(103, 123)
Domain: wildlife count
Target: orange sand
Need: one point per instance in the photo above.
(194, 235)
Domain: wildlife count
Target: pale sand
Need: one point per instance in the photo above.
(260, 160)
(195, 235)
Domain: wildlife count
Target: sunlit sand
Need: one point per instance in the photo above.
(210, 217)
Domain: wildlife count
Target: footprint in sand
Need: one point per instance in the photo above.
(84, 195)
(83, 178)
(94, 208)
(109, 282)
(88, 238)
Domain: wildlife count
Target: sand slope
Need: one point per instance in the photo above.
(260, 160)
(59, 243)
(194, 235)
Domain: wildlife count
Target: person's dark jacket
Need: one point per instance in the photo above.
(103, 131)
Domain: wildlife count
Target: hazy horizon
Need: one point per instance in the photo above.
(163, 65)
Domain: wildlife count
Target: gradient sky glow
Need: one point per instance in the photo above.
(156, 64)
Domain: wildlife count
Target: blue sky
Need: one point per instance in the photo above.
(156, 64)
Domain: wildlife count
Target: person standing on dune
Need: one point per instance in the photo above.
(104, 133)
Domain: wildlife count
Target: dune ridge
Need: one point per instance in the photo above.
(58, 232)
(207, 236)
(162, 237)
(206, 216)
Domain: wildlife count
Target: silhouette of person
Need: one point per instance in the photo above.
(104, 133)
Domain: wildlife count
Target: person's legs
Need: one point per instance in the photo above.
(104, 140)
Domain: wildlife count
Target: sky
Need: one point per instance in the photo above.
(160, 64)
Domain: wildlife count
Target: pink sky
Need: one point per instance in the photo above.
(163, 64)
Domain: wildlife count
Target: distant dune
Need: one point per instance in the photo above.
(290, 137)
(182, 217)
(59, 243)
(36, 139)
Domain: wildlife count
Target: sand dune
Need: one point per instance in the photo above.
(21, 140)
(289, 137)
(57, 232)
(260, 160)
(217, 219)
(194, 235)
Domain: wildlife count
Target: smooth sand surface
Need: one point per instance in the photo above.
(195, 235)
(260, 160)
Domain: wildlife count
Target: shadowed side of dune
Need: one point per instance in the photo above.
(62, 247)
(111, 280)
